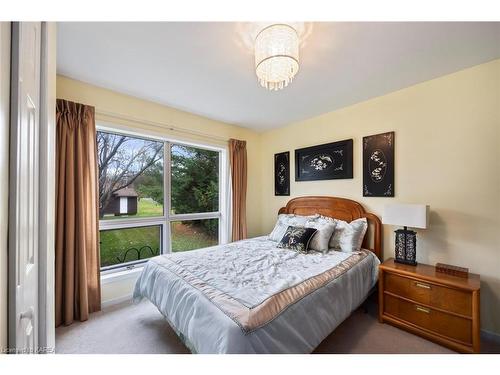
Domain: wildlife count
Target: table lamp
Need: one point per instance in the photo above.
(406, 215)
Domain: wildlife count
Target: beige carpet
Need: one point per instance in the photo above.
(128, 328)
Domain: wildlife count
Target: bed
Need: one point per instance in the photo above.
(252, 297)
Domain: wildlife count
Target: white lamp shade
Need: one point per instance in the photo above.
(406, 215)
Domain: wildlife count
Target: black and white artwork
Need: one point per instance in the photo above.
(378, 165)
(324, 162)
(282, 173)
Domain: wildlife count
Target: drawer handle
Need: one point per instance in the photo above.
(425, 286)
(423, 309)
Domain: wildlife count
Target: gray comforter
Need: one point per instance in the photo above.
(251, 297)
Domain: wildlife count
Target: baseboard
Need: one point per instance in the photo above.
(116, 301)
(492, 336)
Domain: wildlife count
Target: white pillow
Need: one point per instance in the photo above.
(324, 232)
(284, 221)
(348, 237)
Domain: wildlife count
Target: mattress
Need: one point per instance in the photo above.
(252, 297)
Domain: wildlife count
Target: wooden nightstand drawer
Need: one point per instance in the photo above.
(448, 299)
(448, 325)
(442, 308)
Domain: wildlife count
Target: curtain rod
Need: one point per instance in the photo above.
(159, 125)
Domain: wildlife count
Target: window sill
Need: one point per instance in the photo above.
(111, 277)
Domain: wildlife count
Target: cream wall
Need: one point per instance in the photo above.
(116, 103)
(447, 155)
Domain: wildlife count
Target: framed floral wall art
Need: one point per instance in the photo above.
(329, 161)
(282, 173)
(378, 165)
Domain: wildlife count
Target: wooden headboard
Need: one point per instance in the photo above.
(342, 209)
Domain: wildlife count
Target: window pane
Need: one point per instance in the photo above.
(195, 180)
(194, 234)
(130, 176)
(129, 244)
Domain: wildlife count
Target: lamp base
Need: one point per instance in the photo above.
(406, 247)
(408, 262)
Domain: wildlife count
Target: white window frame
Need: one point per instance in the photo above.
(167, 218)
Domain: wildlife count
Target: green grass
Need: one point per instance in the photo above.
(149, 208)
(114, 243)
(187, 237)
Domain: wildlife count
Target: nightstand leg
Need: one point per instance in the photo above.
(476, 326)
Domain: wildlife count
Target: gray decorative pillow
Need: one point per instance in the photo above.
(284, 221)
(348, 237)
(297, 238)
(325, 229)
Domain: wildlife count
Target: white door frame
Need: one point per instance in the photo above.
(45, 186)
(46, 256)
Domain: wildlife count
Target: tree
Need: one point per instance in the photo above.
(122, 160)
(150, 183)
(195, 183)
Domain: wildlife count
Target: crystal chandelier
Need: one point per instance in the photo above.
(276, 56)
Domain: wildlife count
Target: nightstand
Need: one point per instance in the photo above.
(436, 306)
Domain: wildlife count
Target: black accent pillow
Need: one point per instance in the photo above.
(297, 238)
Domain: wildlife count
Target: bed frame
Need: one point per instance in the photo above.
(342, 209)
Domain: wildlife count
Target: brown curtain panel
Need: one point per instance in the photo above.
(78, 287)
(238, 162)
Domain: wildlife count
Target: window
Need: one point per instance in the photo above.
(129, 245)
(155, 197)
(195, 176)
(130, 176)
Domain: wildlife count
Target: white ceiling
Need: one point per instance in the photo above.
(204, 68)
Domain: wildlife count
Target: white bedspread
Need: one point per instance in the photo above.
(251, 297)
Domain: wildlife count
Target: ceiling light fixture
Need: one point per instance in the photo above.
(276, 56)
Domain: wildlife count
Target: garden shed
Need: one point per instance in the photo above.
(123, 202)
